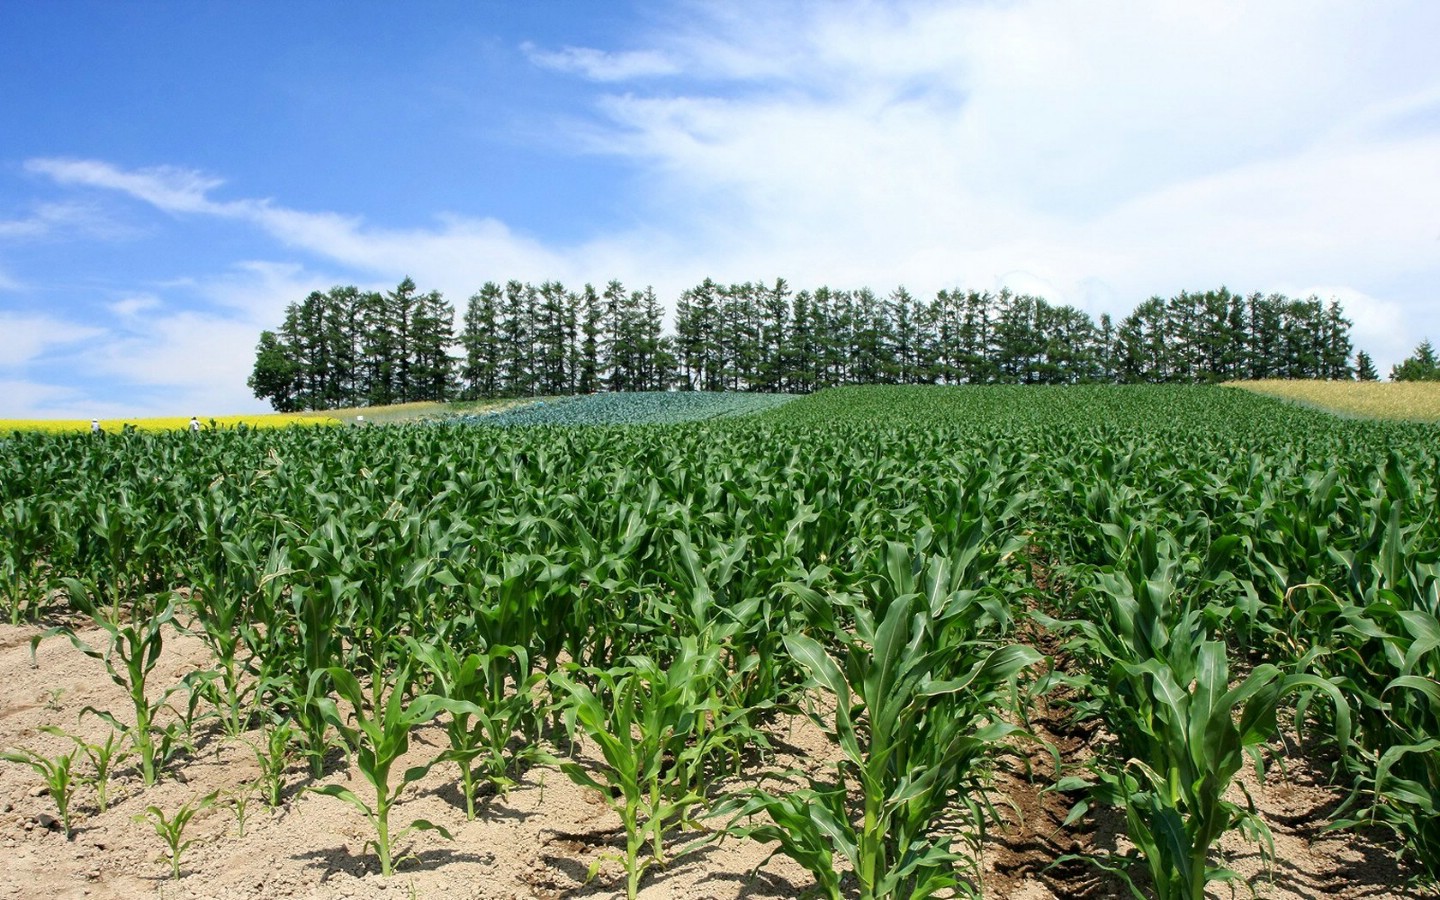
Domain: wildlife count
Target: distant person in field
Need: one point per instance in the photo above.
(94, 426)
(194, 424)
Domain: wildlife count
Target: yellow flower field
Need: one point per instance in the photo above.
(168, 423)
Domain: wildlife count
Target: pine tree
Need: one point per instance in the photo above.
(432, 369)
(517, 346)
(344, 333)
(400, 307)
(480, 343)
(592, 318)
(1365, 367)
(378, 349)
(772, 371)
(655, 366)
(871, 344)
(899, 365)
(1421, 365)
(551, 345)
(1336, 346)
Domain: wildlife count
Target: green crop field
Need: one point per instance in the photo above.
(1198, 579)
(631, 408)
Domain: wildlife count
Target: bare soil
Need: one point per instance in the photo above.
(541, 839)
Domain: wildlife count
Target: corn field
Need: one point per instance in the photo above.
(1199, 580)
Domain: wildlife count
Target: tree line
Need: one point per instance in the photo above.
(348, 347)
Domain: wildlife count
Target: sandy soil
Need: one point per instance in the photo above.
(539, 840)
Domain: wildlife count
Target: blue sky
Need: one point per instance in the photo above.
(173, 174)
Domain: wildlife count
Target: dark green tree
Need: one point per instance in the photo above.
(552, 345)
(431, 368)
(517, 343)
(480, 344)
(592, 319)
(275, 374)
(1365, 367)
(1418, 366)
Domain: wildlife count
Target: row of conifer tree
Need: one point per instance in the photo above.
(348, 347)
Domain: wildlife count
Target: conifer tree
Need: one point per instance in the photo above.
(1421, 365)
(480, 343)
(1365, 367)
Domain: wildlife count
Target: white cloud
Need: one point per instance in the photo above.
(32, 226)
(201, 361)
(1101, 153)
(30, 337)
(48, 219)
(169, 360)
(37, 400)
(196, 362)
(457, 255)
(599, 65)
(167, 187)
(133, 306)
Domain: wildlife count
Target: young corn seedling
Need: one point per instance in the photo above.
(57, 773)
(134, 649)
(171, 829)
(240, 798)
(489, 696)
(104, 758)
(379, 736)
(274, 761)
(657, 727)
(916, 719)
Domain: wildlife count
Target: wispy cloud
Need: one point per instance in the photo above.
(600, 65)
(460, 252)
(166, 187)
(29, 399)
(131, 307)
(52, 219)
(30, 337)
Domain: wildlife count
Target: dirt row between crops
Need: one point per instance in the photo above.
(538, 841)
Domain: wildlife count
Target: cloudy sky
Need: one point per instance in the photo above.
(173, 174)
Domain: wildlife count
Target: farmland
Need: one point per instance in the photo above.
(633, 408)
(1402, 400)
(167, 423)
(865, 629)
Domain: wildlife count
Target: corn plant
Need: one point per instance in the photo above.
(274, 761)
(57, 772)
(104, 758)
(171, 829)
(1183, 732)
(306, 648)
(657, 728)
(379, 736)
(240, 798)
(22, 535)
(224, 586)
(489, 696)
(1384, 653)
(135, 644)
(918, 696)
